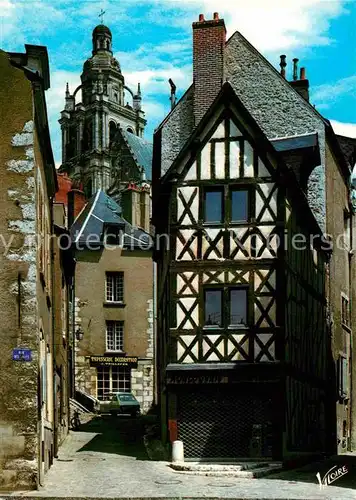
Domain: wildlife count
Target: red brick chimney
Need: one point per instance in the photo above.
(76, 202)
(209, 39)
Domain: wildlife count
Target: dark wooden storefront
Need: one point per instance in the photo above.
(223, 414)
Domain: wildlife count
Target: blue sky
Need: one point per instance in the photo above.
(152, 40)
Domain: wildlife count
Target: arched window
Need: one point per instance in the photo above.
(108, 44)
(116, 97)
(87, 140)
(112, 132)
(88, 189)
(129, 129)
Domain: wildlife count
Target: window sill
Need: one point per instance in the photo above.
(230, 327)
(114, 304)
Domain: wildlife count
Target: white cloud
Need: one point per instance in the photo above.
(21, 21)
(325, 95)
(346, 129)
(269, 25)
(155, 82)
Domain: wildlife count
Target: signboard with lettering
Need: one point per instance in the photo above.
(21, 354)
(196, 379)
(113, 361)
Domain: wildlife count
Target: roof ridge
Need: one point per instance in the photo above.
(89, 214)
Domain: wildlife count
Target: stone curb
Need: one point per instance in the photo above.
(158, 497)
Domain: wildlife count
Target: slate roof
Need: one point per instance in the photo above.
(348, 148)
(100, 211)
(295, 142)
(142, 151)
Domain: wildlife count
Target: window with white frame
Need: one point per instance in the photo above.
(114, 335)
(115, 287)
(112, 379)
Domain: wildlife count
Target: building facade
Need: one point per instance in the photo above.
(33, 371)
(254, 355)
(113, 304)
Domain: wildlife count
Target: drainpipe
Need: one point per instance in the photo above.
(73, 336)
(53, 303)
(155, 333)
(352, 400)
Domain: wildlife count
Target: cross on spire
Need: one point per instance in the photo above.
(101, 15)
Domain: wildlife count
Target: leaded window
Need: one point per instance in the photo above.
(115, 287)
(239, 205)
(225, 307)
(114, 335)
(213, 205)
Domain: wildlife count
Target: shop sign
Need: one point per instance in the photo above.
(196, 379)
(113, 361)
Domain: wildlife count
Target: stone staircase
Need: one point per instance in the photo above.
(246, 469)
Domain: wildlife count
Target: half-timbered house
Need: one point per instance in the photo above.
(234, 285)
(241, 201)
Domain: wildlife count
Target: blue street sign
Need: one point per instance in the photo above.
(22, 355)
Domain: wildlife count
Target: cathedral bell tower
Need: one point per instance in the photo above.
(94, 113)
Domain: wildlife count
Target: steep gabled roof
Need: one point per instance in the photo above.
(228, 97)
(100, 212)
(141, 150)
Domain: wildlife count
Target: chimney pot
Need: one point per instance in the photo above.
(201, 18)
(295, 68)
(283, 65)
(216, 16)
(302, 73)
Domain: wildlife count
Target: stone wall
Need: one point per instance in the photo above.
(142, 378)
(18, 327)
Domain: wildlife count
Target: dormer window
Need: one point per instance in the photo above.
(114, 234)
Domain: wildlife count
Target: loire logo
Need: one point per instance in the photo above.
(332, 475)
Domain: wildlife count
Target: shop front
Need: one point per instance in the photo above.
(221, 414)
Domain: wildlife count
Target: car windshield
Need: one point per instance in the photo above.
(126, 397)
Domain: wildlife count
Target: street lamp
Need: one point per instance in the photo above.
(79, 334)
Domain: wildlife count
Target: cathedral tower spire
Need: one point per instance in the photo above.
(102, 39)
(92, 124)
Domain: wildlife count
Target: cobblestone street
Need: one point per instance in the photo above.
(107, 458)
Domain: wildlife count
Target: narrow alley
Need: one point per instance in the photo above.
(107, 458)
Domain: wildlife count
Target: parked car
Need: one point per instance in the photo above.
(124, 403)
(105, 402)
